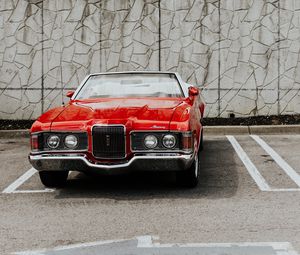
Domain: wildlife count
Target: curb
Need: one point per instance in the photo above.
(208, 130)
(280, 129)
(226, 130)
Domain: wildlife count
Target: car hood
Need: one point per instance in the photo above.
(139, 113)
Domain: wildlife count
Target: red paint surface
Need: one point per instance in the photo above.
(180, 114)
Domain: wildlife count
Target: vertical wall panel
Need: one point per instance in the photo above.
(71, 46)
(289, 56)
(129, 35)
(189, 44)
(20, 59)
(249, 58)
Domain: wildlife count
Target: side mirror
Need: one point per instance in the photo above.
(70, 93)
(193, 91)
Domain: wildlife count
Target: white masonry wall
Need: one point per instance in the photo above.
(244, 52)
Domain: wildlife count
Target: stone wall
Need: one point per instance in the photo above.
(244, 52)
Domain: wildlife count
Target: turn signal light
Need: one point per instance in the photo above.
(34, 141)
(187, 141)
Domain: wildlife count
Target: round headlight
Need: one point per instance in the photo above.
(71, 141)
(53, 141)
(150, 141)
(169, 141)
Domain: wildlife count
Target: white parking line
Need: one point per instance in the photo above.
(17, 183)
(34, 191)
(254, 173)
(12, 188)
(279, 160)
(70, 246)
(285, 190)
(146, 242)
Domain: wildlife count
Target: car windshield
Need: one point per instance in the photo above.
(130, 85)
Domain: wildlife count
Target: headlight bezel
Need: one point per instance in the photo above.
(137, 141)
(43, 136)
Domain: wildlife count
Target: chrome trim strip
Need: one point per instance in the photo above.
(109, 125)
(162, 151)
(103, 166)
(56, 151)
(157, 130)
(79, 87)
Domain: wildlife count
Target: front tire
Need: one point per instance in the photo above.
(189, 178)
(54, 179)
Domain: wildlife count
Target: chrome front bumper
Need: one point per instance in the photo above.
(79, 162)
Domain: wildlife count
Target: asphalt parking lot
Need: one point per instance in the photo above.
(247, 202)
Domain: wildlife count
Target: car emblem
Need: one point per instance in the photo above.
(155, 126)
(107, 140)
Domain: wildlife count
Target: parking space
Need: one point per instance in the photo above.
(248, 192)
(271, 171)
(267, 167)
(13, 157)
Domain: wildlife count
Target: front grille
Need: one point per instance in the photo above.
(109, 142)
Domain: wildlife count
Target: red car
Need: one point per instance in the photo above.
(120, 122)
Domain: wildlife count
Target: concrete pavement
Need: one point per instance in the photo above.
(228, 206)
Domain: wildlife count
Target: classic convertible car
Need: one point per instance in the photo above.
(120, 122)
